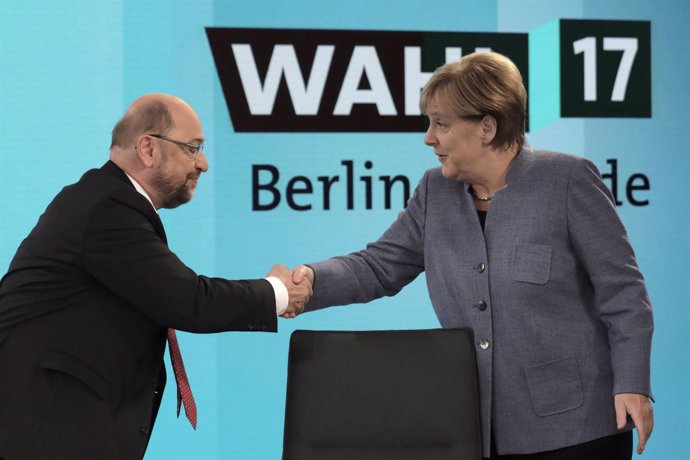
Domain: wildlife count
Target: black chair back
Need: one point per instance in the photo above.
(382, 395)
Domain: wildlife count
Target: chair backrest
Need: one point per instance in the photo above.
(382, 395)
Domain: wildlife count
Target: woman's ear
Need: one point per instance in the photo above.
(489, 125)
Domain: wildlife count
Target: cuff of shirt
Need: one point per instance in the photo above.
(281, 293)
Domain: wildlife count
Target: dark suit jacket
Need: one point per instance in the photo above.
(551, 289)
(84, 310)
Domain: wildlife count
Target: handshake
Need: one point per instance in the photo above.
(298, 282)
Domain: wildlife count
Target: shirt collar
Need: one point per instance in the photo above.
(141, 190)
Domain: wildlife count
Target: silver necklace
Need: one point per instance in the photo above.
(481, 198)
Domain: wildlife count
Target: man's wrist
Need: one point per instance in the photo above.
(281, 293)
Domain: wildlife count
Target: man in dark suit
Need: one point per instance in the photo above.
(93, 293)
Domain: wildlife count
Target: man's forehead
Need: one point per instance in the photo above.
(187, 122)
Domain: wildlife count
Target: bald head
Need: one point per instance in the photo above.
(151, 113)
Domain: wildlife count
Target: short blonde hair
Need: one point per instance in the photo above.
(484, 83)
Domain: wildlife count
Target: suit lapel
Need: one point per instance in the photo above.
(158, 226)
(142, 203)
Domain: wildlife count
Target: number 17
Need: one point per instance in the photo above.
(588, 46)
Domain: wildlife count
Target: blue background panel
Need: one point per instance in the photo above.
(69, 69)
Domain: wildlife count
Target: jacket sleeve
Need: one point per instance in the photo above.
(620, 295)
(382, 269)
(123, 251)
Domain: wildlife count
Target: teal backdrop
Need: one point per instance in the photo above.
(69, 69)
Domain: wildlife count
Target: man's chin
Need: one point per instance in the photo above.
(179, 200)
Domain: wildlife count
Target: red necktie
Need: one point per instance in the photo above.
(184, 392)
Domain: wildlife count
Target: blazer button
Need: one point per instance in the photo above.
(481, 267)
(484, 344)
(251, 327)
(481, 305)
(145, 430)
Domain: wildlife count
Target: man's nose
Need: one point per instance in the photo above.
(201, 162)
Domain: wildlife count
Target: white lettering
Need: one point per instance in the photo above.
(364, 60)
(261, 98)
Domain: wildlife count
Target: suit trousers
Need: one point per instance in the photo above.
(614, 447)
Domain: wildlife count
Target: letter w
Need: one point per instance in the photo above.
(261, 98)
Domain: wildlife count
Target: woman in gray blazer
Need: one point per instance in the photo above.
(526, 248)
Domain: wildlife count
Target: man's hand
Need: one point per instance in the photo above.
(298, 293)
(301, 273)
(641, 413)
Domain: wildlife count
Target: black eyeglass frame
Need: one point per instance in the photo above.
(194, 149)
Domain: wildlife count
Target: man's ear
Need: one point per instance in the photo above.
(489, 126)
(145, 150)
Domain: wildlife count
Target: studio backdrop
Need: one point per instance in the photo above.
(315, 142)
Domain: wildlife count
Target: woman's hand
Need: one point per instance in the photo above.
(640, 411)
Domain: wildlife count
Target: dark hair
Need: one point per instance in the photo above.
(153, 117)
(484, 83)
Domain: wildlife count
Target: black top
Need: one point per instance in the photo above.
(482, 217)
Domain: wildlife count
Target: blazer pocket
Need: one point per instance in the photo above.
(555, 386)
(67, 364)
(532, 263)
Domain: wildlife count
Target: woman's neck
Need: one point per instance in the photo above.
(494, 177)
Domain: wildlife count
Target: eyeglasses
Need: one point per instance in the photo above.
(193, 150)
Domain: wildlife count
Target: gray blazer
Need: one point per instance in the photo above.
(551, 288)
